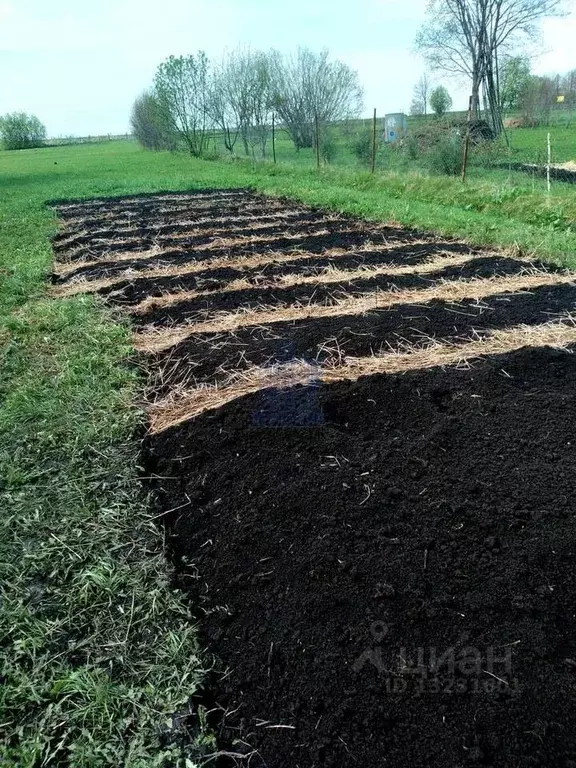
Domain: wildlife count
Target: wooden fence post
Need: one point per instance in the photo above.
(467, 140)
(374, 142)
(317, 142)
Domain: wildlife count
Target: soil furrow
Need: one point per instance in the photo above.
(143, 227)
(291, 288)
(155, 340)
(183, 262)
(249, 242)
(211, 358)
(189, 404)
(170, 236)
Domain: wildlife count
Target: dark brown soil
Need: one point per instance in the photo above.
(143, 226)
(278, 236)
(322, 293)
(385, 569)
(411, 513)
(404, 254)
(211, 357)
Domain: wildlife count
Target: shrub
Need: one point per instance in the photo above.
(19, 130)
(446, 155)
(362, 147)
(151, 123)
(328, 148)
(438, 145)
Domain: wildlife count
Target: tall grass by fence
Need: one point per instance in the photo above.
(538, 155)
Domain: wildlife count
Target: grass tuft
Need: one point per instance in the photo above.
(99, 651)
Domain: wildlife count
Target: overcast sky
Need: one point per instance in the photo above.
(78, 65)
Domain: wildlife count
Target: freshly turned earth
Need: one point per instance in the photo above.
(439, 503)
(384, 569)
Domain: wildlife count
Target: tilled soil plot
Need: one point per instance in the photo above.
(365, 444)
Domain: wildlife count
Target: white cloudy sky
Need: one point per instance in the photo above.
(78, 64)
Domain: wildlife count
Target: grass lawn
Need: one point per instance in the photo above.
(98, 651)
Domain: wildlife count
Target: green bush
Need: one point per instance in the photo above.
(361, 147)
(151, 124)
(437, 145)
(21, 131)
(446, 155)
(328, 148)
(440, 101)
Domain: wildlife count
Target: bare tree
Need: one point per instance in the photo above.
(416, 107)
(309, 87)
(182, 87)
(241, 98)
(569, 88)
(538, 99)
(260, 101)
(468, 37)
(221, 108)
(421, 96)
(237, 74)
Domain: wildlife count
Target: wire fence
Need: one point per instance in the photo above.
(61, 141)
(533, 153)
(536, 153)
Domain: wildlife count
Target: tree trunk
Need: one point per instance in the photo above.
(475, 96)
(496, 122)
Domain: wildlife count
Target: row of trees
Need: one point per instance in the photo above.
(534, 96)
(425, 95)
(531, 97)
(237, 96)
(473, 38)
(18, 130)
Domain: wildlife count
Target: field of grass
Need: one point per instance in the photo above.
(99, 651)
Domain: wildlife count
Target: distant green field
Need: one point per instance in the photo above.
(530, 144)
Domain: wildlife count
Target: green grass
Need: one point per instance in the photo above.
(526, 145)
(531, 144)
(98, 651)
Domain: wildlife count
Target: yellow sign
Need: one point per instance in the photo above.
(560, 99)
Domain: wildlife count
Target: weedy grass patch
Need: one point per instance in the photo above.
(100, 654)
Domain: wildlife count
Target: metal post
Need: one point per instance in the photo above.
(317, 142)
(467, 141)
(548, 164)
(273, 139)
(374, 142)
